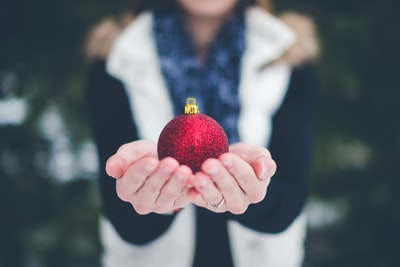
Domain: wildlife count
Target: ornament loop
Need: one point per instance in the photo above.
(191, 106)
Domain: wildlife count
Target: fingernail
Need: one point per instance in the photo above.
(264, 172)
(213, 170)
(181, 177)
(149, 167)
(202, 183)
(227, 162)
(167, 170)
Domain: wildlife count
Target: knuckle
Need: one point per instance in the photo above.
(122, 148)
(264, 152)
(214, 200)
(230, 187)
(123, 193)
(141, 209)
(258, 196)
(273, 168)
(158, 210)
(267, 152)
(243, 180)
(153, 187)
(240, 209)
(162, 209)
(167, 196)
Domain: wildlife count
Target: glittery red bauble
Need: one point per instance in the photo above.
(191, 139)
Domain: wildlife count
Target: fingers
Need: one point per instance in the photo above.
(234, 181)
(176, 184)
(134, 178)
(215, 183)
(146, 196)
(230, 183)
(258, 157)
(253, 187)
(264, 168)
(115, 166)
(249, 152)
(128, 154)
(155, 186)
(208, 194)
(172, 194)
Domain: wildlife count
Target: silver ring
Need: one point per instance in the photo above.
(217, 205)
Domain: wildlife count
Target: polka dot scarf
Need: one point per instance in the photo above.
(213, 82)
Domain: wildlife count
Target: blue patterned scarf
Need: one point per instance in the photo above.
(215, 82)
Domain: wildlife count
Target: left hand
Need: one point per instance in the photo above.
(233, 181)
(148, 184)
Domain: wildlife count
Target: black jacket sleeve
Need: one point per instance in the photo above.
(291, 147)
(112, 125)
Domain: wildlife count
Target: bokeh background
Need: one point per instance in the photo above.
(48, 194)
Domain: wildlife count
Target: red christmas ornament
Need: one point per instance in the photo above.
(191, 138)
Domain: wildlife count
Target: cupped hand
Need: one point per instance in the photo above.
(148, 184)
(234, 180)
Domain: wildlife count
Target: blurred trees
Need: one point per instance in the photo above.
(50, 221)
(48, 213)
(358, 133)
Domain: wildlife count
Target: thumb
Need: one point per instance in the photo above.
(115, 166)
(128, 154)
(263, 167)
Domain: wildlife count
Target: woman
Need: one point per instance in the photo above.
(241, 64)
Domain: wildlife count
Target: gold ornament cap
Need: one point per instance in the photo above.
(191, 106)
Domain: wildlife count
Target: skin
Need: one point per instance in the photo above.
(204, 18)
(239, 178)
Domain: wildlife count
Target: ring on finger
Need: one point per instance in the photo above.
(218, 205)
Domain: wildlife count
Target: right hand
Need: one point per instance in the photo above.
(148, 184)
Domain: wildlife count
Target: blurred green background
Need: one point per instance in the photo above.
(49, 203)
